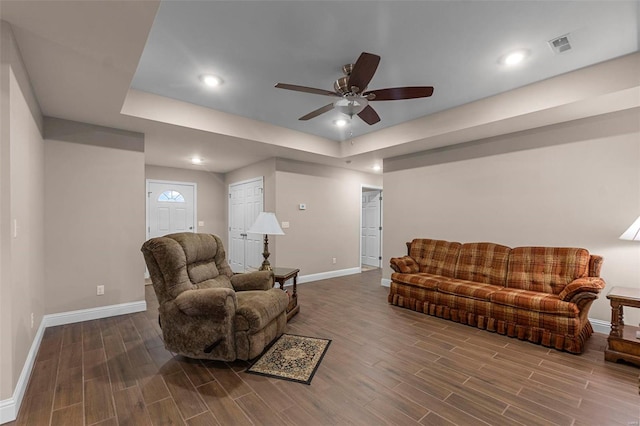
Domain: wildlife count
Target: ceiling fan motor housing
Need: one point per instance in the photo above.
(341, 85)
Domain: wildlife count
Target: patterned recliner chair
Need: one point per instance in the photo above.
(206, 311)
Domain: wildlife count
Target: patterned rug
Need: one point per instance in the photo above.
(291, 357)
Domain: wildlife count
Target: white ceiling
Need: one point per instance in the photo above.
(135, 65)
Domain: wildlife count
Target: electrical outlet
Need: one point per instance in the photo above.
(333, 260)
(32, 320)
(100, 290)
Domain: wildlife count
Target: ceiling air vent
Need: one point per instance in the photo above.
(560, 44)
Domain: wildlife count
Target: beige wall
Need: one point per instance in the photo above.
(22, 191)
(211, 198)
(584, 191)
(330, 225)
(94, 227)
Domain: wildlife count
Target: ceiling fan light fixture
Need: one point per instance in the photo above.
(351, 105)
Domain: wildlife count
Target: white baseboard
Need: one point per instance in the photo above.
(326, 275)
(385, 282)
(9, 407)
(600, 326)
(94, 313)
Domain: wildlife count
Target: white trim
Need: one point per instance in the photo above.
(373, 188)
(329, 274)
(94, 313)
(242, 182)
(9, 407)
(385, 282)
(171, 182)
(600, 326)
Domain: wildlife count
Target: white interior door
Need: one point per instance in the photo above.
(371, 228)
(245, 203)
(170, 207)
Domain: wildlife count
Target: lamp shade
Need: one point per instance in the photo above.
(633, 232)
(266, 223)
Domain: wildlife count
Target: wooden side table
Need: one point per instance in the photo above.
(623, 342)
(283, 275)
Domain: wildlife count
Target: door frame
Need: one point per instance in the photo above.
(373, 188)
(260, 179)
(171, 182)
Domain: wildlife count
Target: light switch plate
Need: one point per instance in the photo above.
(285, 225)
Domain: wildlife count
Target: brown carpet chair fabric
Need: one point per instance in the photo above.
(206, 311)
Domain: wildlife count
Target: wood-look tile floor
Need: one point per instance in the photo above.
(386, 365)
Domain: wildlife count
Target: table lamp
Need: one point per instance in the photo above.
(267, 224)
(633, 234)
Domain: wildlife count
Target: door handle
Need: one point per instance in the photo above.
(243, 235)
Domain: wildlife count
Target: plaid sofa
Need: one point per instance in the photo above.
(539, 294)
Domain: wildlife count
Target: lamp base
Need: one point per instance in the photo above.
(266, 266)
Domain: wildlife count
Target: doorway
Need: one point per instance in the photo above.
(171, 207)
(371, 229)
(246, 201)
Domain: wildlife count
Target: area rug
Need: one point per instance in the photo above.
(292, 357)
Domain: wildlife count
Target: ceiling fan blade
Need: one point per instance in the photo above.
(397, 93)
(317, 112)
(363, 70)
(306, 89)
(369, 115)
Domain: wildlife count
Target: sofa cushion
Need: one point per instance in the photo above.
(404, 264)
(257, 308)
(483, 263)
(423, 280)
(546, 269)
(467, 289)
(202, 271)
(435, 256)
(535, 301)
(221, 281)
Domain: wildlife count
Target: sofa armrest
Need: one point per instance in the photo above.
(211, 302)
(404, 265)
(258, 280)
(581, 285)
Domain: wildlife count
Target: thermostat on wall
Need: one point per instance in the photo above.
(302, 206)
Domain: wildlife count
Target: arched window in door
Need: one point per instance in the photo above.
(171, 197)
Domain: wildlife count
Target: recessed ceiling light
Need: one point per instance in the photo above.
(211, 80)
(196, 160)
(514, 57)
(377, 168)
(341, 122)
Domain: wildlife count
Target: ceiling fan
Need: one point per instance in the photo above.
(351, 89)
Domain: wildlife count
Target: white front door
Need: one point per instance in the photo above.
(245, 203)
(170, 207)
(371, 228)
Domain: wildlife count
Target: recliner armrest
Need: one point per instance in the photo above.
(586, 284)
(258, 280)
(211, 302)
(404, 265)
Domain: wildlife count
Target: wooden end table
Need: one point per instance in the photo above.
(623, 342)
(283, 275)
